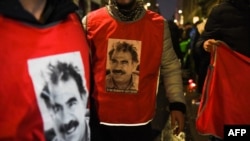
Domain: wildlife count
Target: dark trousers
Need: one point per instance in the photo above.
(121, 133)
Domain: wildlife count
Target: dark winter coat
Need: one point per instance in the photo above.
(230, 23)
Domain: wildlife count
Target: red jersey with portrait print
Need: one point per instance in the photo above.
(25, 50)
(136, 104)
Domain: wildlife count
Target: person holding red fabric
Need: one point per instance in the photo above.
(228, 22)
(125, 115)
(34, 36)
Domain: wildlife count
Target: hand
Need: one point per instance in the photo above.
(209, 44)
(177, 117)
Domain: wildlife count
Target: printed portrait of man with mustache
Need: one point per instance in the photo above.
(123, 71)
(66, 98)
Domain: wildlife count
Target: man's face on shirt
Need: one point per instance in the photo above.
(69, 109)
(122, 66)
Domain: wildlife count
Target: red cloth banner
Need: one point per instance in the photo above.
(226, 96)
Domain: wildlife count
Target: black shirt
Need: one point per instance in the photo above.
(55, 10)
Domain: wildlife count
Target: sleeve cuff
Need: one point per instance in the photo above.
(178, 106)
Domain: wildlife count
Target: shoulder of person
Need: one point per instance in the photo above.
(154, 14)
(97, 12)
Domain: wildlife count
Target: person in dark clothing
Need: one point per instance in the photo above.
(34, 33)
(228, 22)
(200, 62)
(175, 37)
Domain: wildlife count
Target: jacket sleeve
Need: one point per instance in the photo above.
(171, 74)
(211, 30)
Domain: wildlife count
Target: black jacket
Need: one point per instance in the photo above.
(55, 10)
(230, 23)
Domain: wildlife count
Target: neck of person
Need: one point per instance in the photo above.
(35, 7)
(128, 7)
